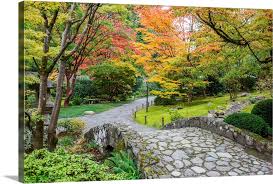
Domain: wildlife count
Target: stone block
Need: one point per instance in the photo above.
(89, 113)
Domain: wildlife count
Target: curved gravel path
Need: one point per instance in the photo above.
(121, 114)
(184, 152)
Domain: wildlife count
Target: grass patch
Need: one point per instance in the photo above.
(78, 110)
(267, 95)
(199, 107)
(248, 108)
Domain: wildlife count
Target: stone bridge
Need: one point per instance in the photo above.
(179, 150)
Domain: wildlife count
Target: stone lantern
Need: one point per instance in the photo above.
(49, 103)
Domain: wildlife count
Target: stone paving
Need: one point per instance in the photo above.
(184, 152)
(189, 152)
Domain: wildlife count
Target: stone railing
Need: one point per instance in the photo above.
(123, 137)
(218, 126)
(114, 135)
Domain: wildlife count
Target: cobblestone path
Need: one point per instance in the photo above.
(189, 152)
(185, 152)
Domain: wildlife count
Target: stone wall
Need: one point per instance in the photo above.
(218, 126)
(124, 137)
(235, 107)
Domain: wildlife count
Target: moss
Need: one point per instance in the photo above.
(120, 145)
(238, 130)
(256, 137)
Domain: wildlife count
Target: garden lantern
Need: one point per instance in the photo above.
(49, 104)
(147, 95)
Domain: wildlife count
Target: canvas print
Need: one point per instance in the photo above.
(126, 92)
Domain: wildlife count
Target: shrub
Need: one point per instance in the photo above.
(123, 163)
(114, 79)
(164, 101)
(44, 166)
(84, 88)
(249, 122)
(214, 86)
(264, 110)
(92, 145)
(175, 115)
(74, 125)
(66, 141)
(77, 101)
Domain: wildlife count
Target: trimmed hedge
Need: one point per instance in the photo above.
(164, 101)
(249, 122)
(264, 110)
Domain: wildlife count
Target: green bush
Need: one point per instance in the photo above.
(84, 88)
(92, 145)
(114, 80)
(164, 101)
(73, 125)
(77, 100)
(249, 122)
(123, 163)
(43, 166)
(66, 141)
(175, 115)
(264, 110)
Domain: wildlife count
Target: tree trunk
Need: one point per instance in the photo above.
(52, 137)
(204, 92)
(39, 129)
(38, 135)
(70, 87)
(42, 93)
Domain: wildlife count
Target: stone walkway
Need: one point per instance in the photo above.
(188, 152)
(118, 114)
(185, 152)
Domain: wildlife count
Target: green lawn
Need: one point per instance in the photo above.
(74, 111)
(199, 107)
(256, 93)
(248, 108)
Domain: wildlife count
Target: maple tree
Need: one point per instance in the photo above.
(167, 51)
(237, 37)
(50, 24)
(109, 39)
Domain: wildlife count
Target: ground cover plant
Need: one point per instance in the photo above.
(42, 166)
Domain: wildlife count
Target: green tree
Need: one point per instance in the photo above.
(115, 80)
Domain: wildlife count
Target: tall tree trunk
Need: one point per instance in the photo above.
(52, 137)
(39, 129)
(42, 93)
(67, 91)
(70, 87)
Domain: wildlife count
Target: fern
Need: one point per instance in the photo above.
(122, 163)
